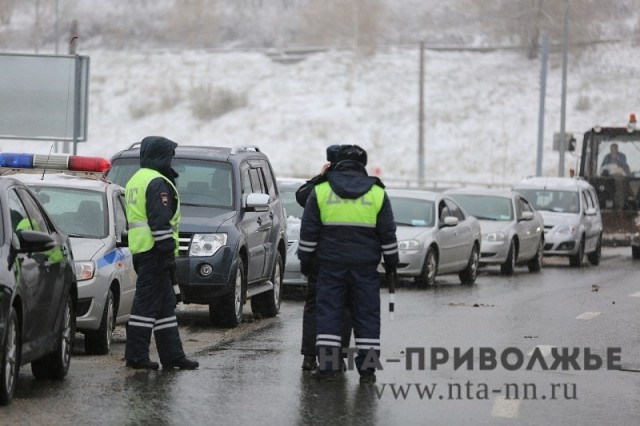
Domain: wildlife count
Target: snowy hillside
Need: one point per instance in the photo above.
(481, 108)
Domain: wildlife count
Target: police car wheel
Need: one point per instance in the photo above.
(98, 342)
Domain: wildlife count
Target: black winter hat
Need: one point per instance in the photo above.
(352, 152)
(332, 153)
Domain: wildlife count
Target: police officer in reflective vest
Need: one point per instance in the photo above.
(153, 212)
(348, 225)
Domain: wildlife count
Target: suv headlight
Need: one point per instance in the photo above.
(566, 229)
(203, 245)
(85, 270)
(495, 236)
(409, 245)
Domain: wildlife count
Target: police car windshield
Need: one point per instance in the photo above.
(412, 212)
(78, 212)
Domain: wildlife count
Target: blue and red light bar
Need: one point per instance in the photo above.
(76, 163)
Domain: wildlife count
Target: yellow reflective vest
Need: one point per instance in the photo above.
(140, 234)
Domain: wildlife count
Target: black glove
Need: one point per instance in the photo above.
(169, 264)
(174, 284)
(305, 267)
(389, 269)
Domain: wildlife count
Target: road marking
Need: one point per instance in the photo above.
(587, 315)
(635, 294)
(545, 350)
(503, 407)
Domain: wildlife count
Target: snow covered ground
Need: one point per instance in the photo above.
(481, 108)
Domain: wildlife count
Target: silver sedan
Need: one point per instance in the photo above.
(512, 230)
(288, 188)
(435, 237)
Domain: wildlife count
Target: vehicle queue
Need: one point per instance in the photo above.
(438, 233)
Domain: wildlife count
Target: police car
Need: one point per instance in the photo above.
(91, 210)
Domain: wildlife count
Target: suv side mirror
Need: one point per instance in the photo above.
(257, 202)
(591, 211)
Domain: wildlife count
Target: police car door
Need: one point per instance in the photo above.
(256, 224)
(125, 272)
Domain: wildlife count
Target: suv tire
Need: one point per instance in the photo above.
(267, 304)
(227, 311)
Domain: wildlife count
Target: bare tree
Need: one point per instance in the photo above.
(527, 19)
(353, 23)
(6, 11)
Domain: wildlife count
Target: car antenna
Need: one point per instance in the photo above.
(44, 170)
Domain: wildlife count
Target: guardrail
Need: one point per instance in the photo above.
(441, 185)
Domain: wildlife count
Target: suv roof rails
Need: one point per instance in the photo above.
(239, 148)
(135, 145)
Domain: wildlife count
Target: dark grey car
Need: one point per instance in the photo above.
(233, 241)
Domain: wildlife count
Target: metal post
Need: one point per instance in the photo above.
(565, 48)
(77, 96)
(56, 32)
(421, 119)
(543, 92)
(73, 43)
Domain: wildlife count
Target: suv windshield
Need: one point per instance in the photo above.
(555, 201)
(200, 183)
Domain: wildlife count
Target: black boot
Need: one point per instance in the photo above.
(183, 363)
(309, 362)
(142, 364)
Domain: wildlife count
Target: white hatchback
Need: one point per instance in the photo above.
(572, 220)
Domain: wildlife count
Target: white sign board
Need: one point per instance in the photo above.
(43, 97)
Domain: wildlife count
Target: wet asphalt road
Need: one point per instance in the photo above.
(252, 374)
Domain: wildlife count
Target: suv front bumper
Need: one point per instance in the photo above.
(202, 280)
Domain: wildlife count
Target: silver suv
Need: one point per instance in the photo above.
(571, 214)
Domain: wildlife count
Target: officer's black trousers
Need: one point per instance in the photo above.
(153, 310)
(309, 331)
(360, 290)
